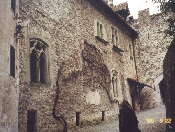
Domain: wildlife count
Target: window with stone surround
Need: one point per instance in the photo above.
(100, 30)
(38, 61)
(12, 61)
(13, 5)
(115, 83)
(115, 37)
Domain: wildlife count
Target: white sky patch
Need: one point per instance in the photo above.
(136, 5)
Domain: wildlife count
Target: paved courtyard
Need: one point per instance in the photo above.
(157, 114)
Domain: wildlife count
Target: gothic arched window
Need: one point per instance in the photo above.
(115, 83)
(38, 61)
(43, 68)
(33, 66)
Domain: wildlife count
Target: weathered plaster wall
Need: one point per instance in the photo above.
(8, 84)
(65, 26)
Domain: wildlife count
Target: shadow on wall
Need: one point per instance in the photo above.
(167, 86)
(93, 60)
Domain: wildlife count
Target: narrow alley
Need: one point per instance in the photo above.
(157, 114)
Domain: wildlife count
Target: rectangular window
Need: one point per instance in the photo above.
(13, 5)
(100, 30)
(103, 116)
(12, 61)
(77, 118)
(38, 61)
(114, 36)
(31, 121)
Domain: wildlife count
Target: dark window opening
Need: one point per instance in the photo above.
(31, 121)
(12, 61)
(103, 115)
(42, 68)
(77, 118)
(33, 66)
(13, 5)
(38, 61)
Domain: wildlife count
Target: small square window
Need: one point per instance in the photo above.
(38, 61)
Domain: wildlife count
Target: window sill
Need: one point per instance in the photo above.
(101, 40)
(116, 49)
(38, 84)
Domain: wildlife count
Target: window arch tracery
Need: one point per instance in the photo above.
(38, 61)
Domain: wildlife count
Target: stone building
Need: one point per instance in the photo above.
(66, 63)
(9, 70)
(150, 49)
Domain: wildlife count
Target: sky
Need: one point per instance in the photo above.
(136, 5)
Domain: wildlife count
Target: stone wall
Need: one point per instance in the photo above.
(8, 84)
(152, 46)
(80, 65)
(150, 49)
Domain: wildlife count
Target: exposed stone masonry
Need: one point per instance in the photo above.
(150, 49)
(80, 62)
(69, 29)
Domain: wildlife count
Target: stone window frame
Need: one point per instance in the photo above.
(29, 114)
(115, 90)
(38, 55)
(100, 31)
(115, 36)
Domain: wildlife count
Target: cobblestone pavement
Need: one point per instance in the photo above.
(156, 114)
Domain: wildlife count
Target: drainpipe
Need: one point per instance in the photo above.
(133, 43)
